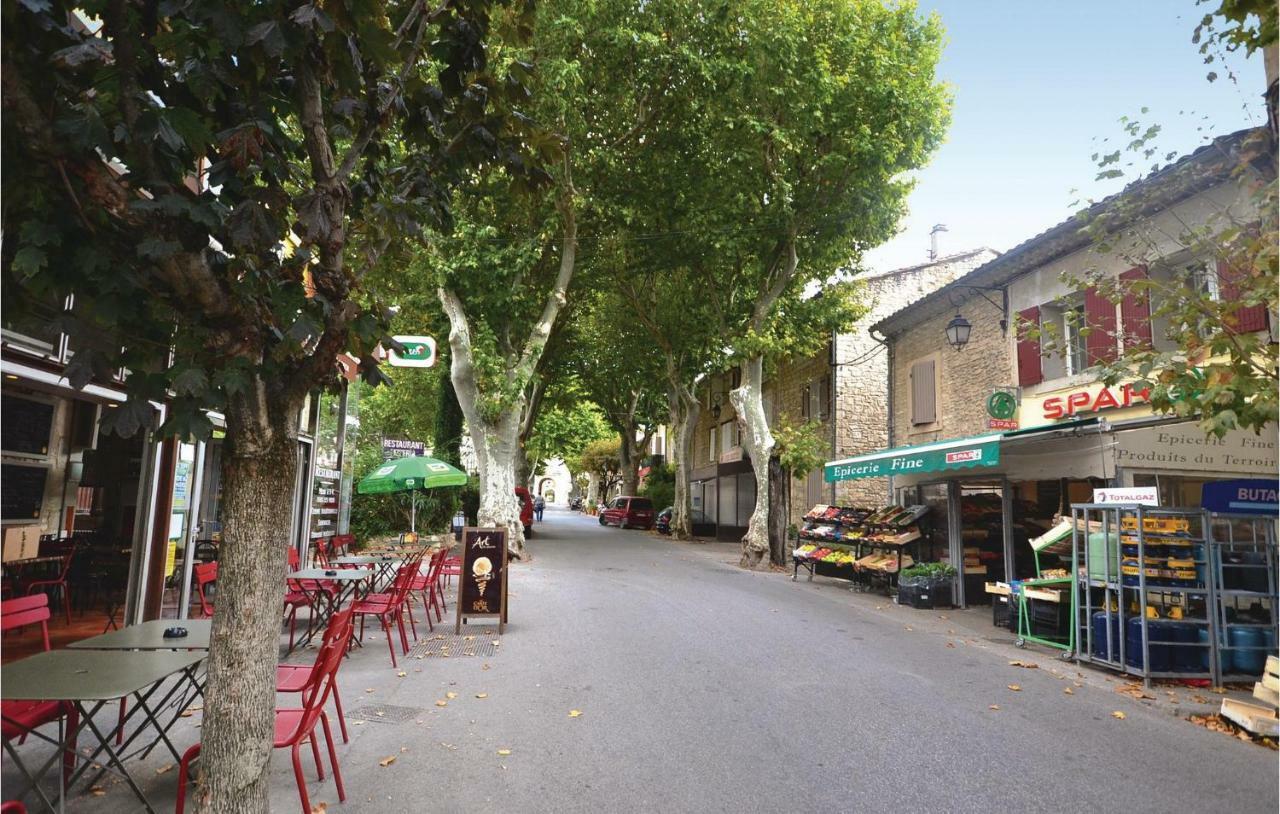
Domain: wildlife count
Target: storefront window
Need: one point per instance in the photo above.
(727, 486)
(934, 546)
(746, 497)
(982, 536)
(1175, 491)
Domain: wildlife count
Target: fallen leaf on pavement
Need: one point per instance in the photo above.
(1199, 699)
(484, 667)
(1218, 690)
(1068, 691)
(951, 644)
(908, 627)
(319, 808)
(468, 638)
(1030, 665)
(575, 713)
(97, 791)
(387, 761)
(504, 752)
(1015, 687)
(442, 703)
(404, 749)
(1135, 691)
(994, 706)
(402, 674)
(1118, 714)
(380, 714)
(482, 695)
(166, 767)
(451, 695)
(368, 689)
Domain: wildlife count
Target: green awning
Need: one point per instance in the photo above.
(958, 453)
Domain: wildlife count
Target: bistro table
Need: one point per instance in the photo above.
(382, 565)
(150, 636)
(90, 679)
(322, 603)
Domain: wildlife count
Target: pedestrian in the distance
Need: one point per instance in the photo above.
(538, 505)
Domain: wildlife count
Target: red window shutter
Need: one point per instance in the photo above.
(1248, 319)
(1029, 371)
(1135, 312)
(1100, 317)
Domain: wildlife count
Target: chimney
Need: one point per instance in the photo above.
(933, 240)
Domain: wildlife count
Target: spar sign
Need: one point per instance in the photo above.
(416, 351)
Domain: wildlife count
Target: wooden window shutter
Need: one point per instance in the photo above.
(923, 398)
(1247, 319)
(1135, 312)
(1029, 369)
(1100, 317)
(804, 402)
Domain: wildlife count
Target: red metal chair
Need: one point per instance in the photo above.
(342, 543)
(20, 717)
(12, 807)
(428, 586)
(294, 677)
(59, 583)
(389, 607)
(293, 726)
(301, 593)
(206, 573)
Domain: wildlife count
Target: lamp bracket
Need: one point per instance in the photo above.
(981, 291)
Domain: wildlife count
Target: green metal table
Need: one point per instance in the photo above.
(90, 679)
(323, 604)
(150, 636)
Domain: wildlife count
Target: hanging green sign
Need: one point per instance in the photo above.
(962, 453)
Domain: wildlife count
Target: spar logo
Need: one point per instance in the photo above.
(964, 455)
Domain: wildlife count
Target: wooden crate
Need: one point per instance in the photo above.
(1256, 719)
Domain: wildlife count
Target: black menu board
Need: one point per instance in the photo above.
(482, 585)
(21, 491)
(25, 425)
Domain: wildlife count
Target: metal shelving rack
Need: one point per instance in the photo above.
(1245, 546)
(1129, 525)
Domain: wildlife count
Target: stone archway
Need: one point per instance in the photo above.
(547, 488)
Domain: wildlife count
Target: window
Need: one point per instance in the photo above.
(823, 408)
(806, 399)
(1074, 353)
(924, 404)
(728, 436)
(713, 453)
(1204, 278)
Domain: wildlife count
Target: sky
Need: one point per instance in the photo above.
(1034, 83)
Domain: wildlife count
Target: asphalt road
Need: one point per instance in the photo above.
(706, 688)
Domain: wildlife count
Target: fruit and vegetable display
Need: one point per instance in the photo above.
(869, 540)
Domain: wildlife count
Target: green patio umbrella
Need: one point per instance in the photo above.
(411, 475)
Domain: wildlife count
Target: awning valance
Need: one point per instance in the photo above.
(958, 453)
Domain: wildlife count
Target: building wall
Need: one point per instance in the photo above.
(964, 379)
(856, 417)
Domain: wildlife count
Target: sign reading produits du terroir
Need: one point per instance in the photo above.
(1145, 495)
(482, 585)
(398, 448)
(416, 351)
(1185, 447)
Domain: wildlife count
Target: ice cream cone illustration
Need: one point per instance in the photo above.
(482, 571)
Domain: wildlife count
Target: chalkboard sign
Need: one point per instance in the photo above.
(25, 425)
(21, 491)
(482, 585)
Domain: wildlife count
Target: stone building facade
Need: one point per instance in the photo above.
(843, 389)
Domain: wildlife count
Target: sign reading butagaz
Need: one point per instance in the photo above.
(482, 586)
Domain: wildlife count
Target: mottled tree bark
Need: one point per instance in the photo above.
(259, 468)
(757, 440)
(683, 410)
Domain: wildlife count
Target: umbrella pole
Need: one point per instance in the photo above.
(413, 513)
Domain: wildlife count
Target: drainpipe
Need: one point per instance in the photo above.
(832, 377)
(888, 346)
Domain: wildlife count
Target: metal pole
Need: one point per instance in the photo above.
(195, 496)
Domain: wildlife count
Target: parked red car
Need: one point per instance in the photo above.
(526, 510)
(628, 513)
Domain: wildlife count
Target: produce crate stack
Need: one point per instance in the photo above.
(862, 545)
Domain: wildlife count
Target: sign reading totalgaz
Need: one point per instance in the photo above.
(418, 351)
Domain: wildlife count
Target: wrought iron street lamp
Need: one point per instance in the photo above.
(958, 330)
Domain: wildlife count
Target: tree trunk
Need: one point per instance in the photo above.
(259, 468)
(748, 402)
(684, 410)
(627, 459)
(497, 449)
(779, 511)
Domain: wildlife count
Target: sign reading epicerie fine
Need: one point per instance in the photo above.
(1185, 447)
